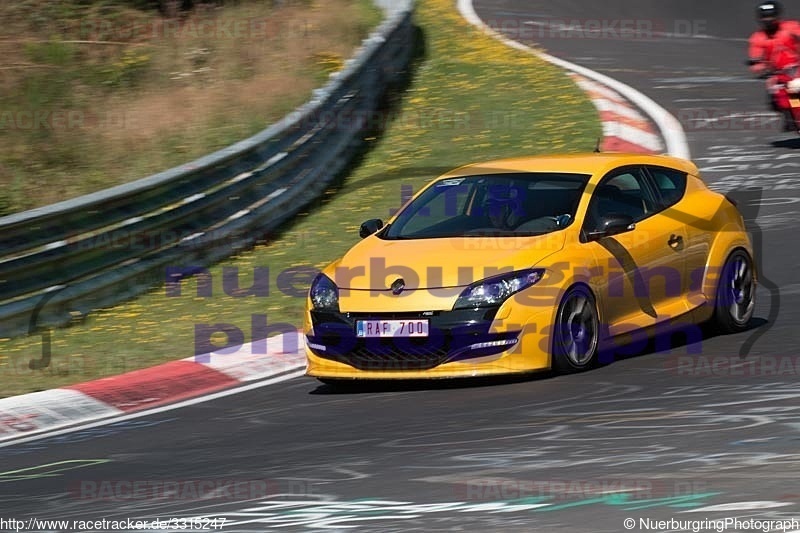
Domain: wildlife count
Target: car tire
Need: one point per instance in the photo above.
(734, 300)
(576, 331)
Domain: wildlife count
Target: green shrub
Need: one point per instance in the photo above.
(53, 52)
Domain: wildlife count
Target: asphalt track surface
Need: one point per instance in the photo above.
(708, 430)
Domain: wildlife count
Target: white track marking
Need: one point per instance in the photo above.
(603, 104)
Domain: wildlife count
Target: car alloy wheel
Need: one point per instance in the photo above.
(736, 293)
(576, 331)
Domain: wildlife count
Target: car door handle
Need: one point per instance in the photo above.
(675, 241)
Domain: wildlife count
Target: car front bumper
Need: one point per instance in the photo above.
(461, 344)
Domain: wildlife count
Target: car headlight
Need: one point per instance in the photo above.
(324, 293)
(494, 291)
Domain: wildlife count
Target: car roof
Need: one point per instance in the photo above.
(595, 164)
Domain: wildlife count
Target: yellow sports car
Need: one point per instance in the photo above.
(530, 264)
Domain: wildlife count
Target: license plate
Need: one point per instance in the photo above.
(392, 328)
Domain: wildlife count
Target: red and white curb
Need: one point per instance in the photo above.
(625, 129)
(170, 383)
(622, 108)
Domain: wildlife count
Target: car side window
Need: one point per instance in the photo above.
(671, 184)
(621, 193)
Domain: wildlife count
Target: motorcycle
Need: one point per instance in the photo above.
(785, 91)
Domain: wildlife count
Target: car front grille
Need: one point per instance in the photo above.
(388, 354)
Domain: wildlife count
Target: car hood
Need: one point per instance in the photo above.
(374, 263)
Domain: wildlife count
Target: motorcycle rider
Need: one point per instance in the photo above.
(774, 51)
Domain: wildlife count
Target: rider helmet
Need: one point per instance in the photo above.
(769, 9)
(769, 14)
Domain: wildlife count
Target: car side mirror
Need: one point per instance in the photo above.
(369, 227)
(612, 224)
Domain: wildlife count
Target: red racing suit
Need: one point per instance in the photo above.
(776, 55)
(778, 51)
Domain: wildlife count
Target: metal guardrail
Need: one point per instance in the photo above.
(66, 259)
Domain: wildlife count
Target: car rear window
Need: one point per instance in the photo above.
(671, 184)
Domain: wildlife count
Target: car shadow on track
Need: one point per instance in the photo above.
(411, 385)
(678, 338)
(792, 144)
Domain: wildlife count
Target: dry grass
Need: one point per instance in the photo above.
(127, 93)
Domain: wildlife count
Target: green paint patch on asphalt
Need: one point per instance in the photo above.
(471, 99)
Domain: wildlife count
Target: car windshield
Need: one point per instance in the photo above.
(519, 204)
